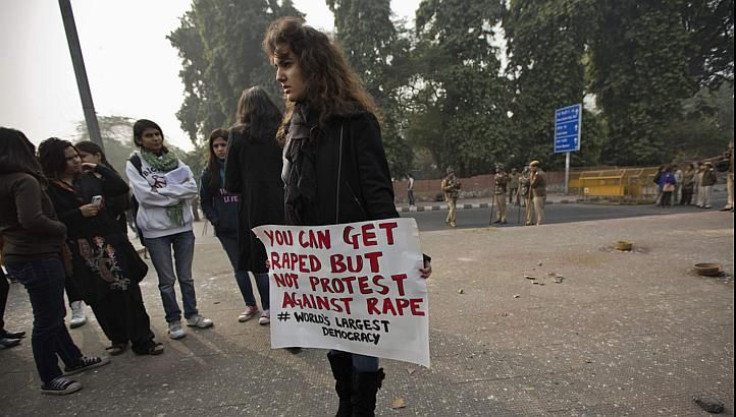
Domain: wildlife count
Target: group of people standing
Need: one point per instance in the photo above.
(694, 184)
(528, 189)
(62, 213)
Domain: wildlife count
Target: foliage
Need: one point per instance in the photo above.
(656, 76)
(219, 43)
(377, 52)
(460, 101)
(546, 48)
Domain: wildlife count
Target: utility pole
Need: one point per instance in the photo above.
(72, 38)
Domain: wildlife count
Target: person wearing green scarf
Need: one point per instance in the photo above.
(164, 188)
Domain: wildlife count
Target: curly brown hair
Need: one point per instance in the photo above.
(332, 86)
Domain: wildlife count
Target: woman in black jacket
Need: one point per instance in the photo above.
(33, 239)
(335, 168)
(117, 205)
(223, 210)
(102, 262)
(253, 170)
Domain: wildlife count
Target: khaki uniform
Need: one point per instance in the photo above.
(538, 186)
(513, 187)
(524, 187)
(451, 188)
(500, 185)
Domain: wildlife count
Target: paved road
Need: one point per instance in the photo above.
(555, 213)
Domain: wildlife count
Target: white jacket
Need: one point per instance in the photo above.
(154, 192)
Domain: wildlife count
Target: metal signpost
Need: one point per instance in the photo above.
(568, 124)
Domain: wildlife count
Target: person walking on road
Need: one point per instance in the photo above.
(164, 188)
(410, 190)
(450, 187)
(500, 183)
(330, 119)
(253, 171)
(538, 194)
(33, 239)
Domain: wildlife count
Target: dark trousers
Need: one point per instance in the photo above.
(687, 196)
(123, 317)
(232, 248)
(44, 281)
(73, 292)
(666, 199)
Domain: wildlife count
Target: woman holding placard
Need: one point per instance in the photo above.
(335, 169)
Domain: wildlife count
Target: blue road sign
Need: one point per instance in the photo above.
(568, 123)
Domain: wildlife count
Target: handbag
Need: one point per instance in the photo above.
(668, 187)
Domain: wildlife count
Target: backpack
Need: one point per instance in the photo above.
(135, 159)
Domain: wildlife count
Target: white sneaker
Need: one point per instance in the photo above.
(249, 313)
(176, 331)
(198, 321)
(265, 318)
(78, 318)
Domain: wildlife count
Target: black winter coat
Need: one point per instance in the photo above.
(352, 176)
(102, 258)
(253, 170)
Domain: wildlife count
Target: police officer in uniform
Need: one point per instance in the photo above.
(514, 187)
(524, 186)
(500, 184)
(451, 188)
(538, 194)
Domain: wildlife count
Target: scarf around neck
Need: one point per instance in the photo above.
(301, 174)
(166, 162)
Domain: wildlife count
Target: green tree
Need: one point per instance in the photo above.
(219, 43)
(639, 74)
(546, 42)
(460, 102)
(377, 52)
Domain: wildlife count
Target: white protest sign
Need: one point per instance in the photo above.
(353, 287)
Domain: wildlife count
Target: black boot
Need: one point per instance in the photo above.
(365, 387)
(342, 369)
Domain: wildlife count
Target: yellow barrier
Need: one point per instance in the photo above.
(622, 184)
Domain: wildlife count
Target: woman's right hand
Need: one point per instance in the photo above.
(89, 210)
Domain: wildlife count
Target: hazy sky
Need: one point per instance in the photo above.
(132, 68)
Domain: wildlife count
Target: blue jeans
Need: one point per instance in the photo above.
(44, 281)
(160, 250)
(232, 248)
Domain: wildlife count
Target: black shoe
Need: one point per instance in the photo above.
(60, 386)
(294, 350)
(10, 335)
(86, 363)
(496, 221)
(117, 349)
(8, 343)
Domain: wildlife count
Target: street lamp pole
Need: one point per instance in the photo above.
(72, 38)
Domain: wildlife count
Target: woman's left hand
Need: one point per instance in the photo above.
(426, 271)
